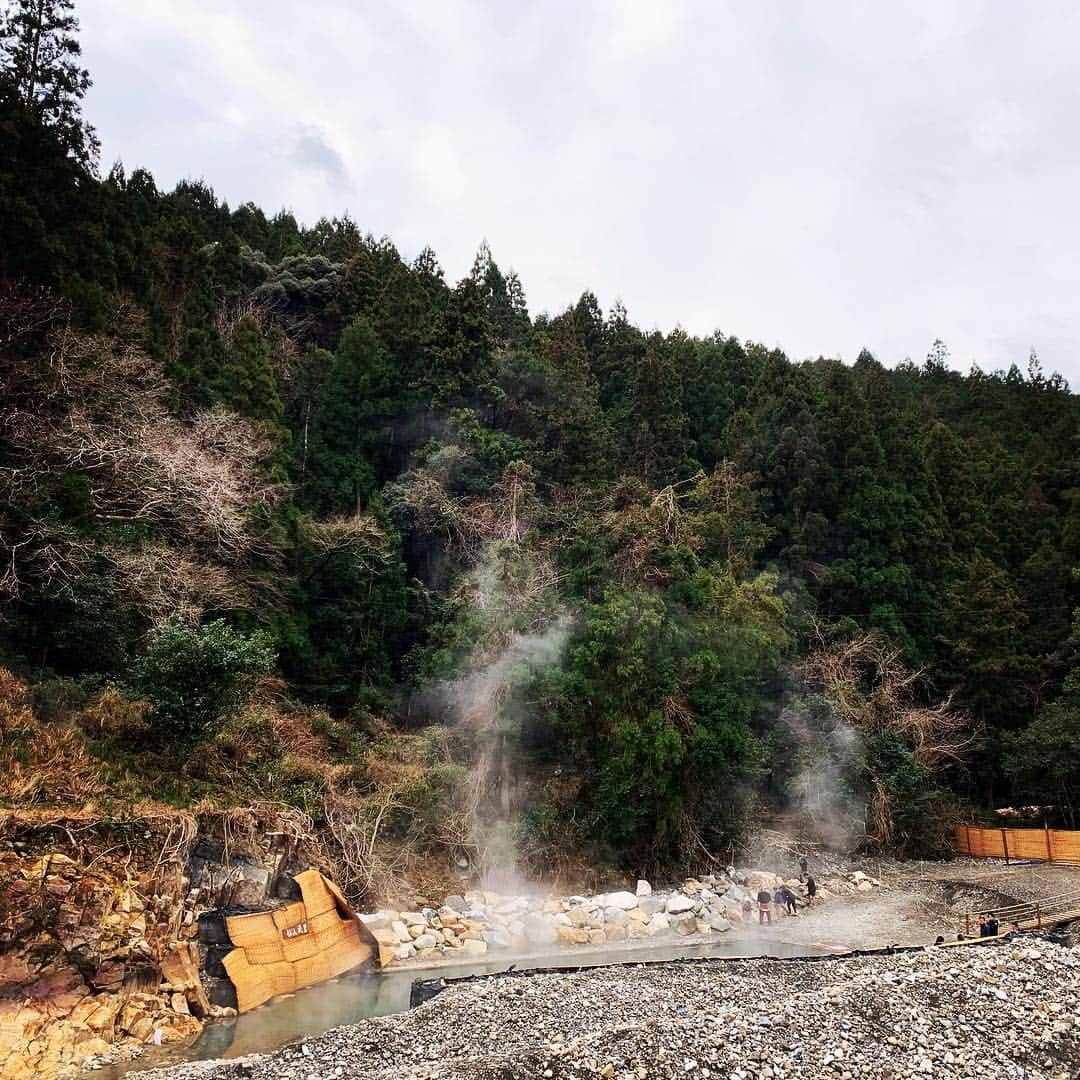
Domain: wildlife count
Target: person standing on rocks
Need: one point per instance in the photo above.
(811, 891)
(804, 868)
(778, 898)
(983, 932)
(764, 904)
(992, 927)
(790, 900)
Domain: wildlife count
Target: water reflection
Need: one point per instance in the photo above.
(350, 998)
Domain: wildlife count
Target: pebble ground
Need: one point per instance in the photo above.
(1003, 1010)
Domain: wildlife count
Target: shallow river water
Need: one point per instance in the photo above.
(351, 998)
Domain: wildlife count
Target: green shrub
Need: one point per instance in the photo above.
(193, 676)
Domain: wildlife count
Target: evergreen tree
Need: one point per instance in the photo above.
(39, 53)
(248, 383)
(575, 429)
(658, 424)
(352, 448)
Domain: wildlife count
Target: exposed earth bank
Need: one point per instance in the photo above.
(995, 1010)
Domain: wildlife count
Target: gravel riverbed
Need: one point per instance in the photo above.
(1002, 1010)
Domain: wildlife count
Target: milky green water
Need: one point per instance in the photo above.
(351, 998)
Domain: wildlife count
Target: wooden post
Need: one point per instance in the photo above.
(1038, 915)
(1005, 846)
(1049, 844)
(967, 924)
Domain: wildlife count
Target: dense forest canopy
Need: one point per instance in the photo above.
(651, 585)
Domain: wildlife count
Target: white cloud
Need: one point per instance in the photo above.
(823, 177)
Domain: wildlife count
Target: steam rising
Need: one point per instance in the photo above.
(829, 753)
(483, 702)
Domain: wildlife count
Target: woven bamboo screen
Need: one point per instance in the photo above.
(280, 951)
(1045, 845)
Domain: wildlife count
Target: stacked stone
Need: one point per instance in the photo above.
(471, 924)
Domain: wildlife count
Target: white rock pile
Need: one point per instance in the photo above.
(471, 924)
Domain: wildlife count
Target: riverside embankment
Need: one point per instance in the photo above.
(1000, 1010)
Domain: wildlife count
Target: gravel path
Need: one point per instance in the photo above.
(924, 899)
(1007, 1010)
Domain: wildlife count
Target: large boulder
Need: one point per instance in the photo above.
(644, 888)
(624, 900)
(677, 904)
(658, 924)
(388, 943)
(652, 904)
(572, 935)
(498, 939)
(538, 931)
(684, 923)
(379, 921)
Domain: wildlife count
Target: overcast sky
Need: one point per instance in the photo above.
(819, 176)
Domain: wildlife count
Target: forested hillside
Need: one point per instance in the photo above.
(286, 514)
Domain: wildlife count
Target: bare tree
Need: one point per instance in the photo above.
(866, 680)
(872, 690)
(98, 407)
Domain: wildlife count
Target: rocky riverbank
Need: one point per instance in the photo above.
(994, 1010)
(98, 942)
(479, 921)
(97, 962)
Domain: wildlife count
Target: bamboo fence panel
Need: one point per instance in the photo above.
(1041, 845)
(280, 951)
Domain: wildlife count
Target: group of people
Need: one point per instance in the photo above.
(783, 897)
(988, 927)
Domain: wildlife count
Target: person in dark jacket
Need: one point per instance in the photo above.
(764, 905)
(804, 868)
(811, 890)
(992, 928)
(790, 900)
